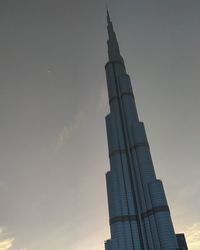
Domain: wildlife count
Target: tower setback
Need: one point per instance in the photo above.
(138, 210)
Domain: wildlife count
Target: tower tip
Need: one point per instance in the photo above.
(108, 16)
(107, 11)
(106, 4)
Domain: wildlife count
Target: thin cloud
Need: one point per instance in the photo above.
(193, 237)
(103, 100)
(68, 131)
(6, 242)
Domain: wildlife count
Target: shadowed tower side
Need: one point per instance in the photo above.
(138, 210)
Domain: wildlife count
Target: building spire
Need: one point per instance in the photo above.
(138, 210)
(113, 46)
(108, 14)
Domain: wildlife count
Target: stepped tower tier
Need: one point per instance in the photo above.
(138, 210)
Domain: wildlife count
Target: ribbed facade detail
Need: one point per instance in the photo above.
(139, 215)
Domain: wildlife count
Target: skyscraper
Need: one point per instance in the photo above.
(138, 210)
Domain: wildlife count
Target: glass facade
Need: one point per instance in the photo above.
(138, 210)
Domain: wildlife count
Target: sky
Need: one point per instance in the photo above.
(53, 101)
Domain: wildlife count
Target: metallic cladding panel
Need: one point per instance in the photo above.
(113, 195)
(154, 231)
(125, 84)
(139, 214)
(128, 235)
(112, 69)
(119, 69)
(111, 245)
(163, 219)
(166, 231)
(127, 97)
(139, 133)
(129, 192)
(181, 241)
(108, 245)
(111, 84)
(136, 237)
(148, 233)
(157, 193)
(122, 192)
(141, 147)
(113, 144)
(117, 234)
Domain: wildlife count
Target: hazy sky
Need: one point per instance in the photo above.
(53, 100)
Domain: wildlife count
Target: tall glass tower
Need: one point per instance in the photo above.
(138, 210)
